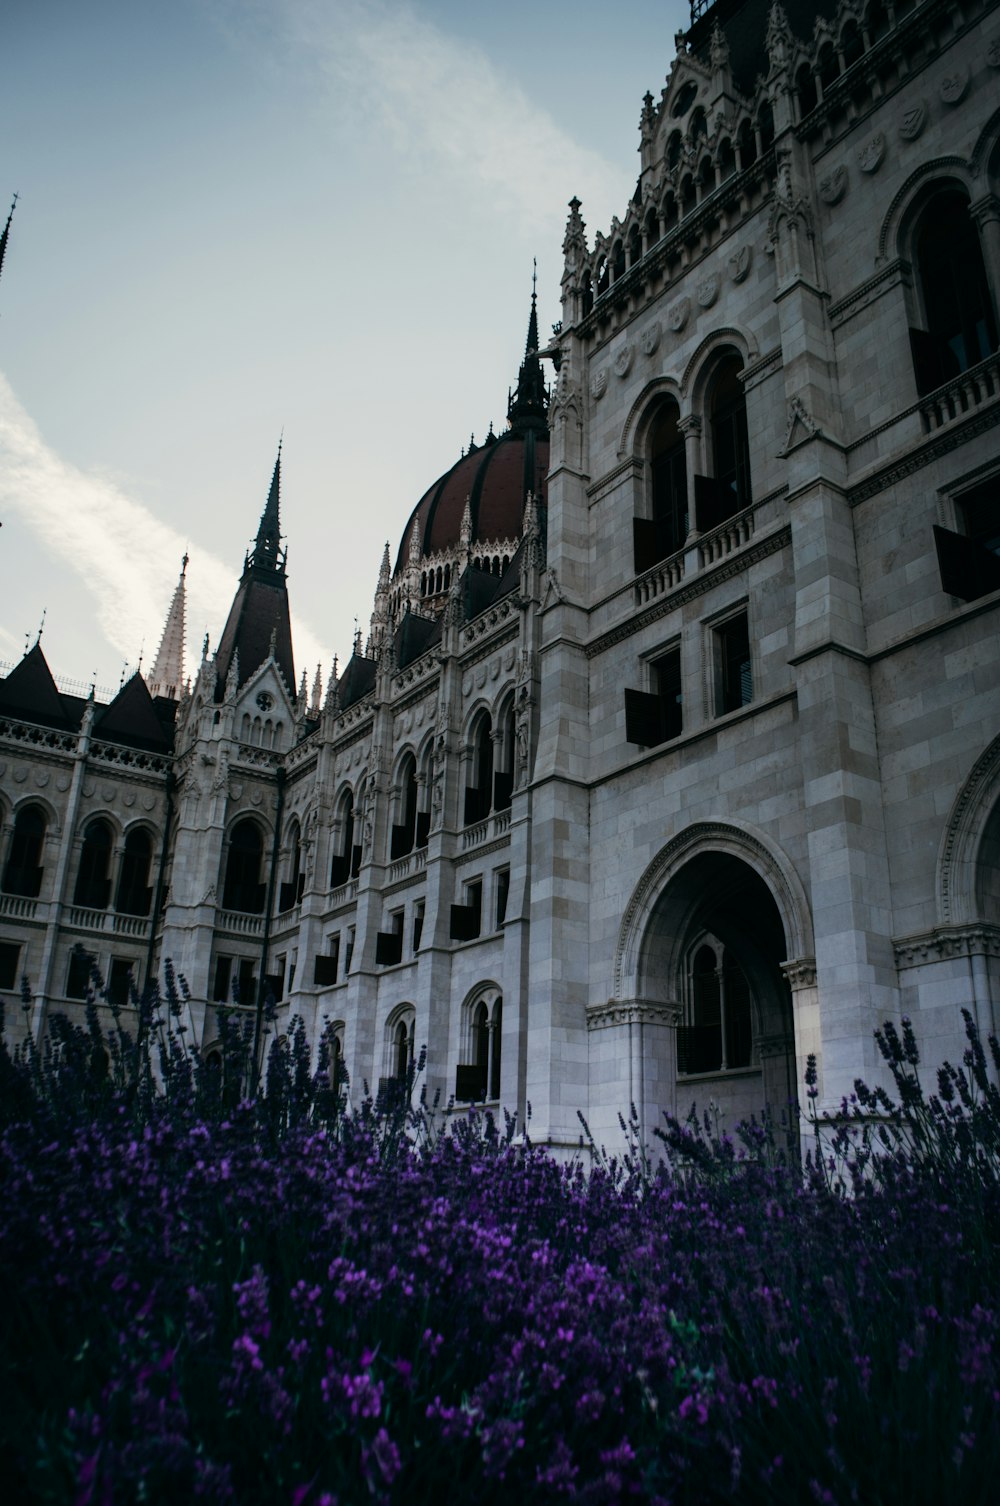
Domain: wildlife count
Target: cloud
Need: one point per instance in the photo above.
(444, 99)
(126, 559)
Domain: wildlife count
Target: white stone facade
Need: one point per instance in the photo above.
(809, 845)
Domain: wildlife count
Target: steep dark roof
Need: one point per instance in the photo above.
(135, 719)
(414, 636)
(29, 693)
(357, 680)
(259, 612)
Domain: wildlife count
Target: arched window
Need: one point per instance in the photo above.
(634, 246)
(746, 141)
(23, 870)
(347, 858)
(243, 889)
(726, 160)
(829, 66)
(603, 276)
(399, 1039)
(652, 227)
(618, 261)
(959, 324)
(478, 1077)
(765, 125)
(717, 1035)
(294, 881)
(851, 44)
(663, 531)
(805, 88)
(93, 878)
(503, 774)
(404, 828)
(727, 490)
(135, 897)
(674, 149)
(479, 790)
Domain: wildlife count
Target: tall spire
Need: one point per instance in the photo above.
(167, 674)
(6, 233)
(528, 405)
(267, 551)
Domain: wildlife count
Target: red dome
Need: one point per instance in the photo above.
(496, 478)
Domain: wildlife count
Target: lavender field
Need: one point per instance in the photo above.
(218, 1295)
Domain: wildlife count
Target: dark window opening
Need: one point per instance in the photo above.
(78, 979)
(664, 533)
(479, 794)
(418, 924)
(970, 561)
(135, 897)
(222, 990)
(93, 884)
(23, 873)
(347, 863)
(718, 1034)
(653, 717)
(245, 990)
(502, 891)
(734, 686)
(10, 952)
(467, 918)
(325, 968)
(243, 889)
(404, 832)
(120, 980)
(389, 944)
(960, 325)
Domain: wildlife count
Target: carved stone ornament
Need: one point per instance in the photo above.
(913, 121)
(955, 85)
(623, 360)
(677, 314)
(993, 52)
(598, 385)
(651, 339)
(833, 187)
(707, 290)
(872, 154)
(42, 777)
(739, 264)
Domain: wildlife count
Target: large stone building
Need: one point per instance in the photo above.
(672, 755)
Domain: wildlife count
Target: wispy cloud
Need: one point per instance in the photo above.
(445, 101)
(126, 558)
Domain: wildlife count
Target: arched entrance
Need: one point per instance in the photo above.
(715, 927)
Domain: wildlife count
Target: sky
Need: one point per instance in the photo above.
(239, 219)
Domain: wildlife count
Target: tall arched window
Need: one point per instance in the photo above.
(404, 829)
(503, 774)
(23, 871)
(479, 1076)
(717, 1035)
(727, 490)
(479, 791)
(347, 859)
(399, 1039)
(243, 889)
(93, 880)
(663, 532)
(294, 880)
(135, 896)
(959, 324)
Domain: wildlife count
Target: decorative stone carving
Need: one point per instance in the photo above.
(707, 290)
(633, 1012)
(913, 120)
(598, 385)
(739, 264)
(954, 85)
(651, 338)
(833, 186)
(993, 52)
(623, 360)
(872, 154)
(678, 314)
(800, 972)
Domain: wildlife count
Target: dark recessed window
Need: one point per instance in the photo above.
(734, 681)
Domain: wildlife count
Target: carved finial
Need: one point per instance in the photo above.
(204, 650)
(718, 47)
(233, 677)
(303, 689)
(317, 692)
(332, 702)
(465, 531)
(680, 42)
(777, 38)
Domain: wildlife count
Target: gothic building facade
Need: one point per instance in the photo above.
(673, 753)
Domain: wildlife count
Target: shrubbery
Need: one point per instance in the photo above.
(211, 1296)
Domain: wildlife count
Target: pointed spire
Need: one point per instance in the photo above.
(317, 693)
(266, 552)
(167, 674)
(303, 689)
(385, 569)
(332, 702)
(528, 405)
(6, 233)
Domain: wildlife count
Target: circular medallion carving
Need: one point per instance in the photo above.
(833, 187)
(872, 154)
(677, 314)
(41, 778)
(480, 676)
(707, 290)
(148, 802)
(651, 338)
(739, 264)
(598, 385)
(954, 85)
(623, 361)
(255, 797)
(494, 668)
(108, 793)
(62, 783)
(20, 774)
(913, 120)
(128, 799)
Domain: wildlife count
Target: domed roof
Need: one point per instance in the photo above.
(494, 477)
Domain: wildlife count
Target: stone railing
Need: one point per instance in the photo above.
(726, 539)
(410, 865)
(663, 577)
(16, 907)
(963, 395)
(82, 918)
(239, 924)
(344, 894)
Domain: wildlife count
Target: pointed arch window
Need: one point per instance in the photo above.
(93, 881)
(478, 1077)
(479, 791)
(243, 890)
(727, 490)
(959, 323)
(404, 830)
(663, 530)
(717, 1034)
(294, 883)
(346, 862)
(135, 896)
(23, 870)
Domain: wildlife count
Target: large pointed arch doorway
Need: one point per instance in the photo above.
(713, 943)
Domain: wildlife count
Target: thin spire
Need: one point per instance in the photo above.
(6, 232)
(528, 405)
(531, 344)
(167, 674)
(267, 551)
